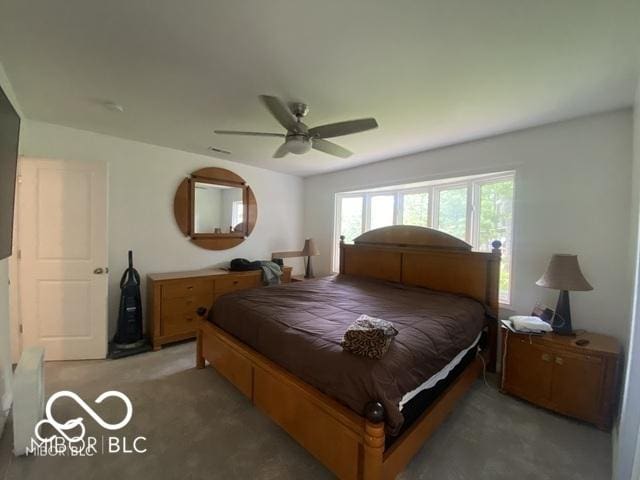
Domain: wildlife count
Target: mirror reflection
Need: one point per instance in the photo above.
(218, 209)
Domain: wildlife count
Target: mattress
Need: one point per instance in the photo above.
(299, 326)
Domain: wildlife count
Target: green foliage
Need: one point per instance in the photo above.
(496, 215)
(351, 218)
(452, 212)
(415, 209)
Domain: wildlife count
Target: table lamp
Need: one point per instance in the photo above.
(563, 273)
(309, 250)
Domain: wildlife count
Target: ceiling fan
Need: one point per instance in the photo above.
(299, 138)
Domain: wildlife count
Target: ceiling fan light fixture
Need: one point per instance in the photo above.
(298, 144)
(299, 139)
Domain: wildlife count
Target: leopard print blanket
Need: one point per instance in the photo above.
(369, 337)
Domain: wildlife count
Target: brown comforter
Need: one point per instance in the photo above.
(299, 326)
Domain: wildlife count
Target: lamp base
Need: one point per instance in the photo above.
(561, 322)
(309, 270)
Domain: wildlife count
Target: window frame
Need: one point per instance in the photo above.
(472, 183)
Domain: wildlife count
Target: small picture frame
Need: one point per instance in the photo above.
(543, 312)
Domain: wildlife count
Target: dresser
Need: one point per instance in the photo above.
(553, 371)
(174, 298)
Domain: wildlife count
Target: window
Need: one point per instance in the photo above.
(382, 207)
(415, 209)
(351, 217)
(237, 212)
(476, 209)
(495, 222)
(451, 216)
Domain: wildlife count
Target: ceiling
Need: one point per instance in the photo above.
(433, 73)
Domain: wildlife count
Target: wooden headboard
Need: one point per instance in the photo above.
(427, 258)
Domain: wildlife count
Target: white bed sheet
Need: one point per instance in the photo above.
(442, 374)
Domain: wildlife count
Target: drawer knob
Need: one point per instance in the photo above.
(559, 360)
(546, 357)
(190, 287)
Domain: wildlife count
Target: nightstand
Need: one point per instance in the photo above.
(552, 371)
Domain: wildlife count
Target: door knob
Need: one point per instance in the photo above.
(100, 271)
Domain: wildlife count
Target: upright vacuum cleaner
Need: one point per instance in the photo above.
(129, 338)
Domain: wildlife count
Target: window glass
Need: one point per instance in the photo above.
(496, 218)
(452, 212)
(237, 213)
(381, 211)
(415, 209)
(444, 204)
(351, 217)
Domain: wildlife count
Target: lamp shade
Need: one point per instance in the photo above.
(563, 273)
(310, 249)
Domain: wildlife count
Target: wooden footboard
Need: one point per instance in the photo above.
(350, 445)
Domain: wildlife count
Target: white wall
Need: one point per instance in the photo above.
(572, 195)
(626, 458)
(142, 183)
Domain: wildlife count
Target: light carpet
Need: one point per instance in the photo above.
(198, 426)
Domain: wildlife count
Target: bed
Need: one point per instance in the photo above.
(280, 347)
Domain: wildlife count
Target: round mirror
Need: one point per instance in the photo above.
(215, 208)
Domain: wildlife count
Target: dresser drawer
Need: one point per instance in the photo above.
(183, 323)
(174, 298)
(179, 314)
(187, 288)
(185, 305)
(237, 282)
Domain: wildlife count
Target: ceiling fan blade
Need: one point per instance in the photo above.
(331, 148)
(280, 111)
(343, 128)
(281, 151)
(253, 134)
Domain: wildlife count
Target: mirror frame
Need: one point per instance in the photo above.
(184, 211)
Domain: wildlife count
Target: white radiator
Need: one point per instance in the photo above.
(28, 397)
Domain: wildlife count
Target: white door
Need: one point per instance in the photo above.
(63, 279)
